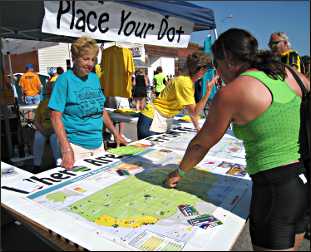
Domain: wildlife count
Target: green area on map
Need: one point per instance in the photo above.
(142, 199)
(126, 150)
(60, 196)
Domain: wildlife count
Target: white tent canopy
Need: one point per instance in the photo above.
(19, 46)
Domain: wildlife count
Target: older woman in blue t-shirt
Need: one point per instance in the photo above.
(77, 105)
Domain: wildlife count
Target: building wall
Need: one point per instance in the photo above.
(53, 56)
(157, 56)
(19, 61)
(167, 64)
(167, 57)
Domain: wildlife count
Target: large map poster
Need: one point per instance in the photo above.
(128, 203)
(178, 138)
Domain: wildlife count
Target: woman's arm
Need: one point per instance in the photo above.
(195, 110)
(109, 124)
(219, 118)
(66, 150)
(146, 80)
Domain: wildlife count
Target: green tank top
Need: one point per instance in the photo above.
(271, 140)
(159, 82)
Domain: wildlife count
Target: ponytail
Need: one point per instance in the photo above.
(241, 48)
(265, 61)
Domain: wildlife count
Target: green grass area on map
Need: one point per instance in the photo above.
(144, 195)
(126, 150)
(57, 196)
(60, 196)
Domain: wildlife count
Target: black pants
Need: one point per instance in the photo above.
(279, 206)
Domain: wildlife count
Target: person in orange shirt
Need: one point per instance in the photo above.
(30, 85)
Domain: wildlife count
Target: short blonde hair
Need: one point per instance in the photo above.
(82, 45)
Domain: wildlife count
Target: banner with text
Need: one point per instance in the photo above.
(115, 22)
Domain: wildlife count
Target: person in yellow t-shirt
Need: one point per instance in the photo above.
(30, 85)
(53, 75)
(177, 95)
(98, 70)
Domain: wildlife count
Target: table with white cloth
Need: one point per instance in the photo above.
(117, 117)
(117, 200)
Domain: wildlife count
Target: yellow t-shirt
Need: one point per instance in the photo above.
(42, 115)
(176, 95)
(291, 58)
(54, 78)
(118, 67)
(30, 84)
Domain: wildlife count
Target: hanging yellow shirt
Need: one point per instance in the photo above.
(176, 95)
(118, 67)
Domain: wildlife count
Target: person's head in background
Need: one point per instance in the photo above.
(84, 54)
(196, 65)
(279, 43)
(139, 71)
(59, 70)
(52, 71)
(29, 68)
(159, 70)
(236, 51)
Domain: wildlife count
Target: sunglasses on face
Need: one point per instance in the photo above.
(275, 43)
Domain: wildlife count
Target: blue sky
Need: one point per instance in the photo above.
(262, 18)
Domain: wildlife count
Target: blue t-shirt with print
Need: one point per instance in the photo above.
(81, 102)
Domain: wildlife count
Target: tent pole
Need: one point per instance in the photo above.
(10, 66)
(1, 67)
(4, 114)
(215, 34)
(20, 137)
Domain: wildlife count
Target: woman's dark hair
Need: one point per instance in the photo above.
(159, 70)
(59, 70)
(239, 46)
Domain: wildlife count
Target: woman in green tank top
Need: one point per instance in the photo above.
(262, 101)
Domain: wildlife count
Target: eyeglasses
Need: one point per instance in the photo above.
(274, 43)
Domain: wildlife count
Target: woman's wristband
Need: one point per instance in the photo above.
(181, 172)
